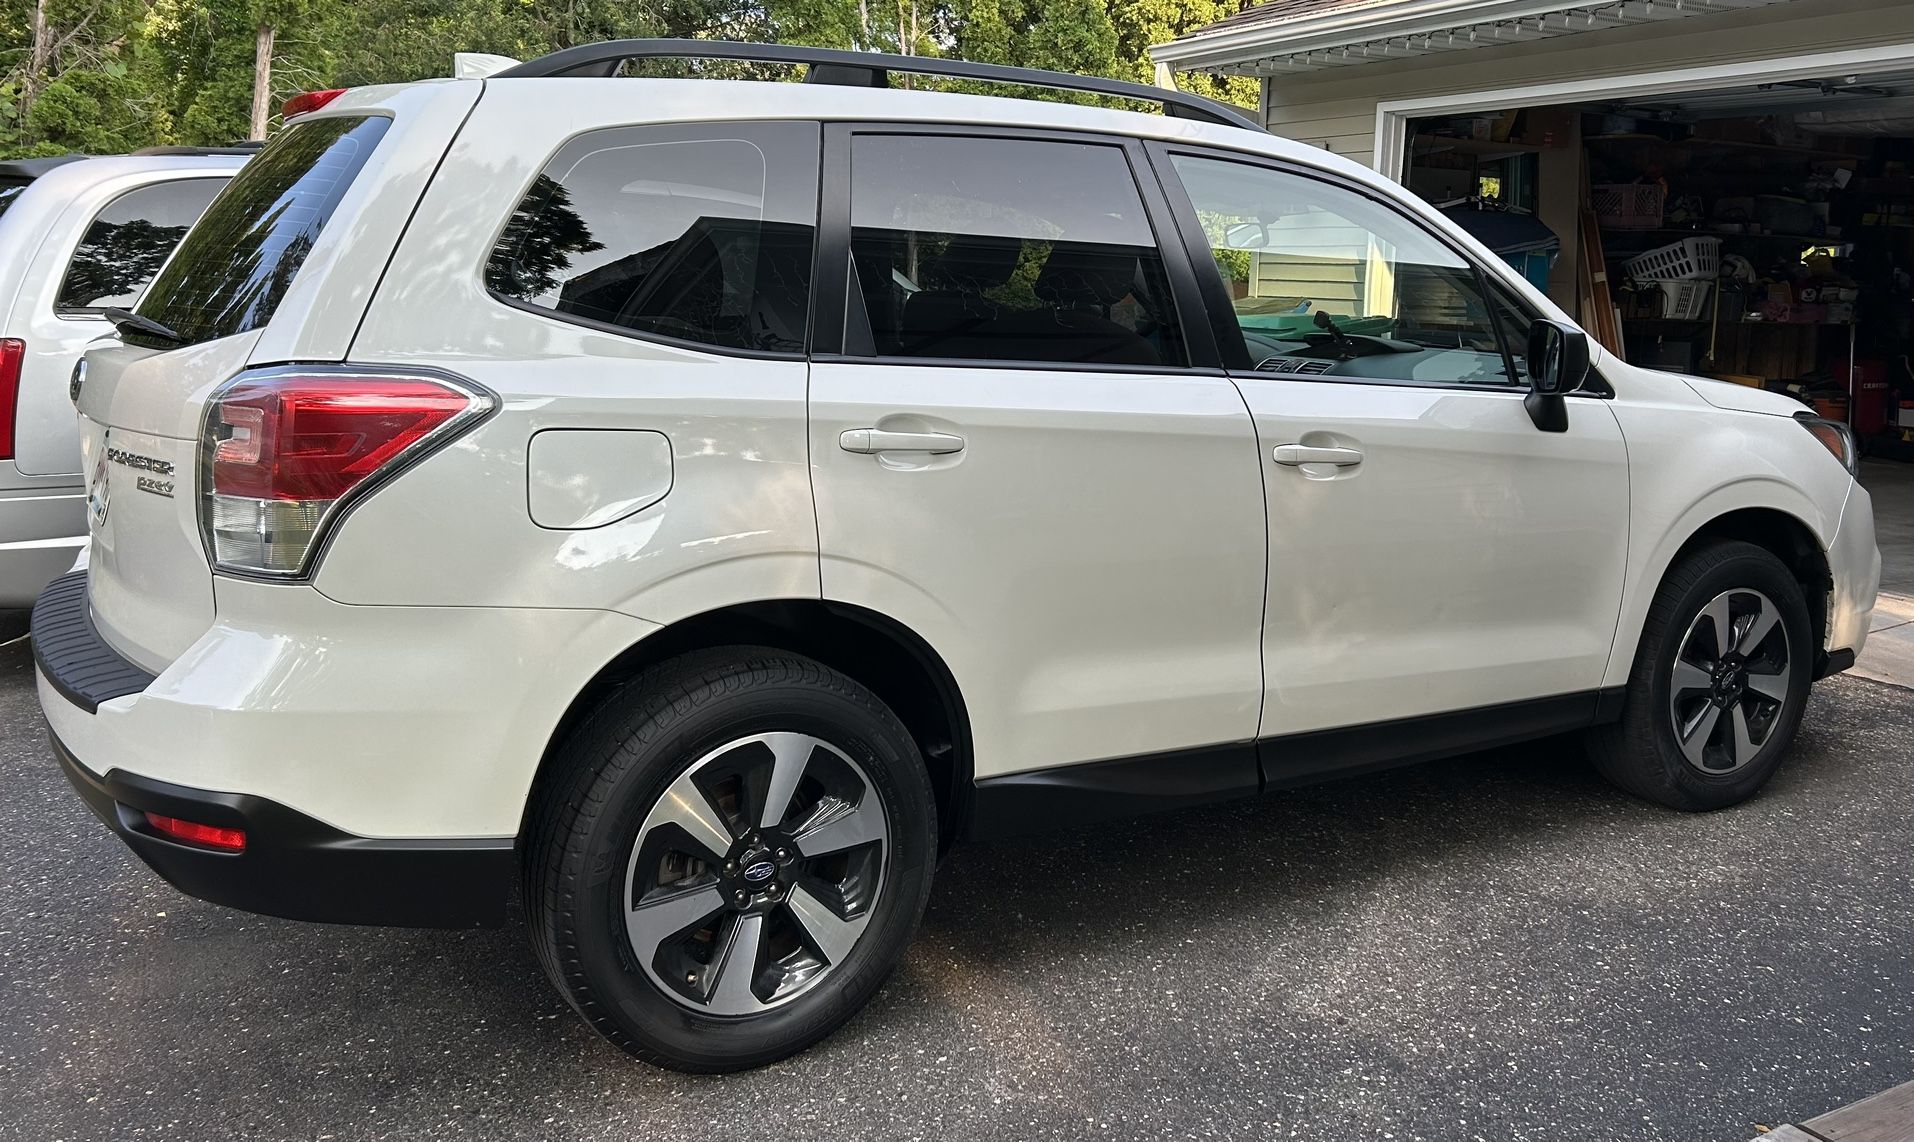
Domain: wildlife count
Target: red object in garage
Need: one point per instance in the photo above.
(1868, 388)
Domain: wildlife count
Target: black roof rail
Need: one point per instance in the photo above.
(248, 148)
(867, 69)
(26, 170)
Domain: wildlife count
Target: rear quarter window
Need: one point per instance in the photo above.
(696, 234)
(236, 265)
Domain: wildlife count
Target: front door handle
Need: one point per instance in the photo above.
(1293, 454)
(870, 440)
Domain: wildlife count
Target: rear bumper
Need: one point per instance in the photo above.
(297, 867)
(378, 758)
(412, 722)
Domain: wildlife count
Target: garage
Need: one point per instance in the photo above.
(1721, 188)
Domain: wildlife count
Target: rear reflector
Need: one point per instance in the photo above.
(194, 833)
(309, 101)
(286, 448)
(13, 358)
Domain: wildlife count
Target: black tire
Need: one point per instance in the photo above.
(1642, 752)
(614, 770)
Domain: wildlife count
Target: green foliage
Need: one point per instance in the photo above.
(124, 74)
(96, 111)
(1142, 23)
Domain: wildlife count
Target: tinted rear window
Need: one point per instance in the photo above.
(236, 265)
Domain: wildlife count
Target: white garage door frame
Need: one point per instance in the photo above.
(1393, 116)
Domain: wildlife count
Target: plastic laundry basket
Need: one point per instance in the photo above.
(1691, 259)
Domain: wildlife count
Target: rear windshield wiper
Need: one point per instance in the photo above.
(126, 321)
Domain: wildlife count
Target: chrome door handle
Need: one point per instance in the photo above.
(872, 440)
(1293, 454)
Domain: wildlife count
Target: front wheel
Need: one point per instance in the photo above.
(1719, 683)
(741, 856)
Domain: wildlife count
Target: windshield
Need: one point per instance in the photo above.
(237, 264)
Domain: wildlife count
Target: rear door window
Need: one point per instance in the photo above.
(235, 266)
(698, 234)
(1005, 250)
(129, 240)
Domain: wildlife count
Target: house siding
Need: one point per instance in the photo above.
(1336, 108)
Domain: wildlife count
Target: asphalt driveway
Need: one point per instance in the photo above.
(1497, 947)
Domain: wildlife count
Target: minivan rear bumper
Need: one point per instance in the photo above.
(41, 532)
(297, 867)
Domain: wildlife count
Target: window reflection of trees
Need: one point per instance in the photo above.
(736, 282)
(236, 264)
(539, 242)
(115, 262)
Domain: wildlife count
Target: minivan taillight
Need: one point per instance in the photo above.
(13, 358)
(284, 450)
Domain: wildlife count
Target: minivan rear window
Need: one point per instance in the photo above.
(128, 241)
(237, 263)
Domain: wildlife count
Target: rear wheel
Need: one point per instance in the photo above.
(739, 859)
(1719, 683)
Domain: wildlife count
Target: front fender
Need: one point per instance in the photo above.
(1647, 572)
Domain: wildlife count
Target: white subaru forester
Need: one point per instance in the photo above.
(698, 503)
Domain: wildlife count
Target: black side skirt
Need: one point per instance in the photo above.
(1130, 786)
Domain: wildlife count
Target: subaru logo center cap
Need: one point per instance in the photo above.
(760, 872)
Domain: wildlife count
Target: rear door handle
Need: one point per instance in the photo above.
(1293, 454)
(871, 440)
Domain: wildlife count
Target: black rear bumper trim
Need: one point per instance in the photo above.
(300, 868)
(71, 655)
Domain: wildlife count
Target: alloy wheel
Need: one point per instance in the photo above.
(756, 873)
(1733, 672)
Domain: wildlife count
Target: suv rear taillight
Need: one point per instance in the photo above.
(13, 358)
(285, 450)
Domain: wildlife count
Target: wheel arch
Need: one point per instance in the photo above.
(1751, 512)
(884, 655)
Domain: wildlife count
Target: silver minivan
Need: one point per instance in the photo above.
(78, 236)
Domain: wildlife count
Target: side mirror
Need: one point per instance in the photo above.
(1558, 364)
(1246, 236)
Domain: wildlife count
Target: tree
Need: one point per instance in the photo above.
(225, 66)
(64, 84)
(101, 76)
(1141, 24)
(262, 80)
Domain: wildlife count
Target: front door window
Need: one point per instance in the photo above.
(1326, 282)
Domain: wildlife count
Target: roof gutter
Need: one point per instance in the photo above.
(1346, 26)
